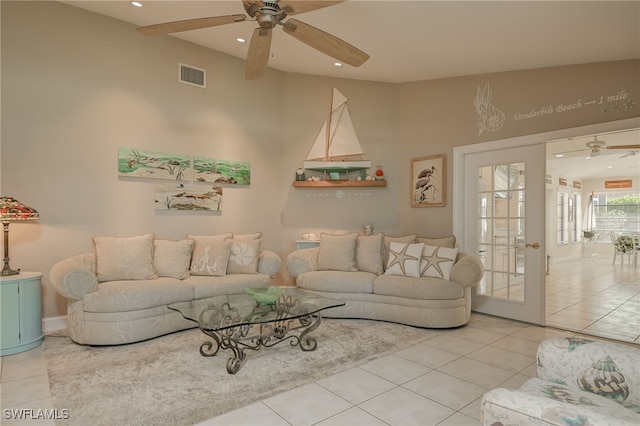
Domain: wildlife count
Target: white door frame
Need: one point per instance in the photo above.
(459, 153)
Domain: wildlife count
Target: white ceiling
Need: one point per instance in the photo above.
(610, 163)
(423, 40)
(419, 40)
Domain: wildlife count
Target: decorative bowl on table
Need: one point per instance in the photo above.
(265, 296)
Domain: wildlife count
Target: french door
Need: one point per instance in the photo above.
(504, 212)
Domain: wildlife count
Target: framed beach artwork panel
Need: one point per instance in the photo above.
(208, 169)
(179, 196)
(428, 181)
(143, 163)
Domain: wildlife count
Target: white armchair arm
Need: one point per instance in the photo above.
(75, 277)
(604, 368)
(302, 260)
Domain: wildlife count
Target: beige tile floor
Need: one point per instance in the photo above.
(593, 296)
(438, 382)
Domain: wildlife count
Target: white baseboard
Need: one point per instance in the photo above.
(54, 323)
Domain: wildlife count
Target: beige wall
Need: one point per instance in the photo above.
(76, 86)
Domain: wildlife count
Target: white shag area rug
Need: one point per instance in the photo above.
(165, 381)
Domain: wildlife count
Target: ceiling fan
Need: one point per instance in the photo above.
(268, 15)
(597, 145)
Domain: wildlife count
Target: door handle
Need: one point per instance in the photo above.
(533, 246)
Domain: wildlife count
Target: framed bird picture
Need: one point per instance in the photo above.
(428, 181)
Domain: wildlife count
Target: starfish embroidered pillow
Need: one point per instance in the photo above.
(437, 261)
(404, 259)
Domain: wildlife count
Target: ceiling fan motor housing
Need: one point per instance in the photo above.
(269, 15)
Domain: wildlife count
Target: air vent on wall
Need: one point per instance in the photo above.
(188, 74)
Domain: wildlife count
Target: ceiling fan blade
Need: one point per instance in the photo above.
(575, 150)
(325, 43)
(298, 7)
(258, 55)
(190, 24)
(628, 147)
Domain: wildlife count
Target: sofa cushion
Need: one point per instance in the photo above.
(131, 295)
(407, 239)
(337, 281)
(449, 241)
(426, 288)
(404, 259)
(243, 257)
(204, 287)
(369, 253)
(127, 258)
(172, 258)
(337, 252)
(210, 255)
(437, 261)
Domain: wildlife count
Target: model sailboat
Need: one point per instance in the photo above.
(336, 142)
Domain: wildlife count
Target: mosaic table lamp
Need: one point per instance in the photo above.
(12, 210)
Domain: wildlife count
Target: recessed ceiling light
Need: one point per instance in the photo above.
(240, 40)
(559, 155)
(609, 167)
(136, 4)
(587, 158)
(337, 64)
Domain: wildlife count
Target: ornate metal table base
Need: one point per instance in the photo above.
(231, 332)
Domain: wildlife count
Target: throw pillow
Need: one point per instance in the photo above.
(404, 259)
(128, 258)
(219, 237)
(244, 255)
(337, 252)
(369, 253)
(449, 241)
(173, 258)
(407, 239)
(437, 261)
(210, 255)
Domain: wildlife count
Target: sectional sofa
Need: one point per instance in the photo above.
(424, 282)
(119, 293)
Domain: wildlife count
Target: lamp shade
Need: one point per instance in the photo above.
(12, 210)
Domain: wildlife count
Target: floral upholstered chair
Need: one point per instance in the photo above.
(580, 382)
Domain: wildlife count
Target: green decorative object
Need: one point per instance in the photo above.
(265, 296)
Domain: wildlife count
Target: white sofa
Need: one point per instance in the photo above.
(579, 382)
(120, 293)
(390, 278)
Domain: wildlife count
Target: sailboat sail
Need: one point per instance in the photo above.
(340, 142)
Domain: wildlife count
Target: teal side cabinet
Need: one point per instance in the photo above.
(20, 312)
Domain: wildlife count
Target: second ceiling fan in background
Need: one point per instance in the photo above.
(268, 15)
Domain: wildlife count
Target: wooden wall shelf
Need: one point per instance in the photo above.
(340, 184)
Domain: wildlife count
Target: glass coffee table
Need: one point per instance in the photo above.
(241, 323)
